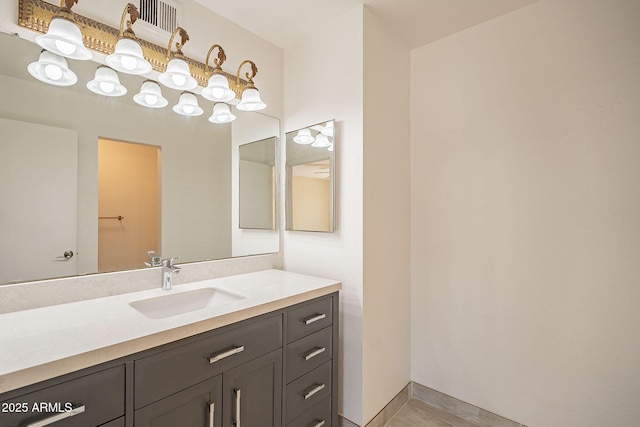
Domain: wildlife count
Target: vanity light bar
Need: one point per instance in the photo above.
(37, 14)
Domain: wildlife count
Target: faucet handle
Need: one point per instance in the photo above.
(169, 261)
(156, 260)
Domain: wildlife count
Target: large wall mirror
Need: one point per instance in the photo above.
(310, 184)
(91, 184)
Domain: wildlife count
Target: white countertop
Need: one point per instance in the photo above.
(43, 343)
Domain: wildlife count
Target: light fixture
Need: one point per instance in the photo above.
(127, 57)
(303, 137)
(328, 129)
(106, 83)
(188, 105)
(250, 96)
(217, 89)
(150, 95)
(221, 114)
(64, 37)
(52, 69)
(322, 141)
(178, 75)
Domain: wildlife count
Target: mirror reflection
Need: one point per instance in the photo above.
(310, 168)
(53, 183)
(258, 185)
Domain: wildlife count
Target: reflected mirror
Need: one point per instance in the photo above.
(258, 185)
(54, 222)
(310, 169)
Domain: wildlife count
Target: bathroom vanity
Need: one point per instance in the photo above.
(263, 354)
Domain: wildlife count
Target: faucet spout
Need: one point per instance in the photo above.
(168, 270)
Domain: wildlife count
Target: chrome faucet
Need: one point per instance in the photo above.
(168, 270)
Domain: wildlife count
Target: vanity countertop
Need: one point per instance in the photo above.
(46, 342)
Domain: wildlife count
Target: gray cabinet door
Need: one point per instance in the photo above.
(252, 393)
(197, 406)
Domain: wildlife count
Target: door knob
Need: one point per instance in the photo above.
(67, 255)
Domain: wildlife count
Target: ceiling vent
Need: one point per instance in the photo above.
(161, 16)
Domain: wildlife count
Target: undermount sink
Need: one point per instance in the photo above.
(183, 302)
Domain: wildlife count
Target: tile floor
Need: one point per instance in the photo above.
(418, 414)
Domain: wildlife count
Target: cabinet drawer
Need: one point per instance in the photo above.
(170, 371)
(115, 423)
(318, 416)
(99, 398)
(308, 318)
(308, 353)
(307, 391)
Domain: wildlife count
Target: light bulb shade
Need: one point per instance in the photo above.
(217, 89)
(128, 58)
(328, 130)
(106, 83)
(251, 100)
(52, 69)
(150, 95)
(303, 137)
(330, 148)
(322, 141)
(221, 114)
(188, 105)
(178, 76)
(64, 38)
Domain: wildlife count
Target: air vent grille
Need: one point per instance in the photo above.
(160, 14)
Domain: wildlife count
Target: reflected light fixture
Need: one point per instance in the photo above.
(330, 148)
(322, 141)
(250, 96)
(188, 105)
(217, 89)
(328, 129)
(150, 95)
(106, 83)
(128, 57)
(178, 75)
(221, 114)
(64, 37)
(52, 69)
(303, 137)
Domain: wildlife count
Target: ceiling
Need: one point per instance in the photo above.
(418, 22)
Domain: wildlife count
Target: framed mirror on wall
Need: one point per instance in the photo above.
(310, 172)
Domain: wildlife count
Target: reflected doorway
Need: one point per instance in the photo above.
(129, 191)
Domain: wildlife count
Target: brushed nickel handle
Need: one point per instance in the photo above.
(314, 353)
(212, 411)
(223, 355)
(238, 402)
(313, 391)
(57, 417)
(314, 319)
(319, 423)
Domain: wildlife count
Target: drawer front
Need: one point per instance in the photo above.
(318, 416)
(309, 318)
(306, 392)
(115, 423)
(308, 353)
(96, 399)
(170, 371)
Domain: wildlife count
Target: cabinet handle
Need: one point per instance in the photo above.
(314, 353)
(319, 423)
(57, 417)
(212, 412)
(238, 402)
(220, 356)
(313, 391)
(314, 319)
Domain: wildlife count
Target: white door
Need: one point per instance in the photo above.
(38, 201)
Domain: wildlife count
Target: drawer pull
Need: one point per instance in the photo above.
(238, 402)
(319, 423)
(314, 319)
(314, 353)
(218, 357)
(313, 391)
(212, 412)
(57, 417)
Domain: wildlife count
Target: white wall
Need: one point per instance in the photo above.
(526, 214)
(323, 81)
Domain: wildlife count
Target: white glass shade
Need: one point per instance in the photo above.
(221, 114)
(52, 69)
(150, 95)
(328, 129)
(64, 38)
(322, 141)
(178, 76)
(106, 83)
(128, 58)
(303, 137)
(188, 105)
(251, 100)
(218, 90)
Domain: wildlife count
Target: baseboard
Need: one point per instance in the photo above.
(392, 407)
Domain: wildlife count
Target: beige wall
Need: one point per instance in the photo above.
(310, 201)
(526, 214)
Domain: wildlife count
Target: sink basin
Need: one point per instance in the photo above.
(183, 302)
